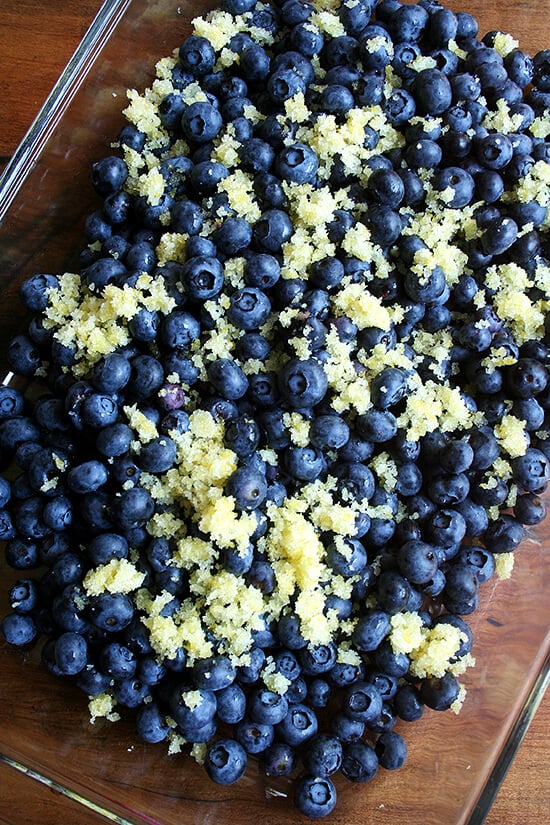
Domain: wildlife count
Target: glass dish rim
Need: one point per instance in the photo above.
(12, 180)
(20, 164)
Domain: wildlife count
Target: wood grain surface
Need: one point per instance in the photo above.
(37, 37)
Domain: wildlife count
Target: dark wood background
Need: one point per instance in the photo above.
(37, 37)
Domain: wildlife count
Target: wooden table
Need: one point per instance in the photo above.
(37, 37)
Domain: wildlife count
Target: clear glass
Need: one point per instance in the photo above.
(455, 762)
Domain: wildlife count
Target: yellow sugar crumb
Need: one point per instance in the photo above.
(351, 389)
(422, 62)
(225, 525)
(306, 246)
(434, 405)
(141, 424)
(357, 242)
(456, 706)
(439, 645)
(386, 470)
(226, 59)
(142, 113)
(191, 698)
(328, 23)
(523, 316)
(315, 625)
(101, 707)
(298, 427)
(152, 605)
(97, 324)
(232, 610)
(364, 309)
(511, 436)
(192, 551)
(540, 128)
(500, 120)
(198, 752)
(164, 67)
(175, 743)
(406, 632)
(535, 185)
(165, 524)
(507, 277)
(504, 43)
(116, 576)
(239, 187)
(504, 565)
(498, 357)
(310, 207)
(347, 655)
(171, 247)
(273, 680)
(227, 150)
(218, 27)
(335, 518)
(296, 109)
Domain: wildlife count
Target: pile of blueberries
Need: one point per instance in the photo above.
(74, 501)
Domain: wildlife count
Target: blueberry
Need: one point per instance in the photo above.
(262, 271)
(255, 737)
(201, 122)
(225, 761)
(18, 629)
(87, 477)
(23, 595)
(314, 796)
(231, 704)
(504, 534)
(214, 673)
(417, 561)
(304, 463)
(322, 755)
(302, 383)
(297, 163)
(227, 378)
(282, 84)
(347, 558)
(91, 681)
(360, 762)
(362, 702)
(158, 455)
(114, 440)
(151, 724)
(249, 308)
(272, 230)
(132, 507)
(278, 759)
(319, 693)
(391, 750)
(58, 513)
(531, 470)
(529, 509)
(108, 175)
(70, 653)
(439, 693)
(232, 236)
(255, 62)
(318, 658)
(299, 725)
(23, 356)
(111, 612)
(371, 629)
(248, 487)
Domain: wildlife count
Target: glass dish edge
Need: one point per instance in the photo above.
(17, 168)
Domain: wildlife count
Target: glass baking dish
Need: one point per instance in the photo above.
(455, 763)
